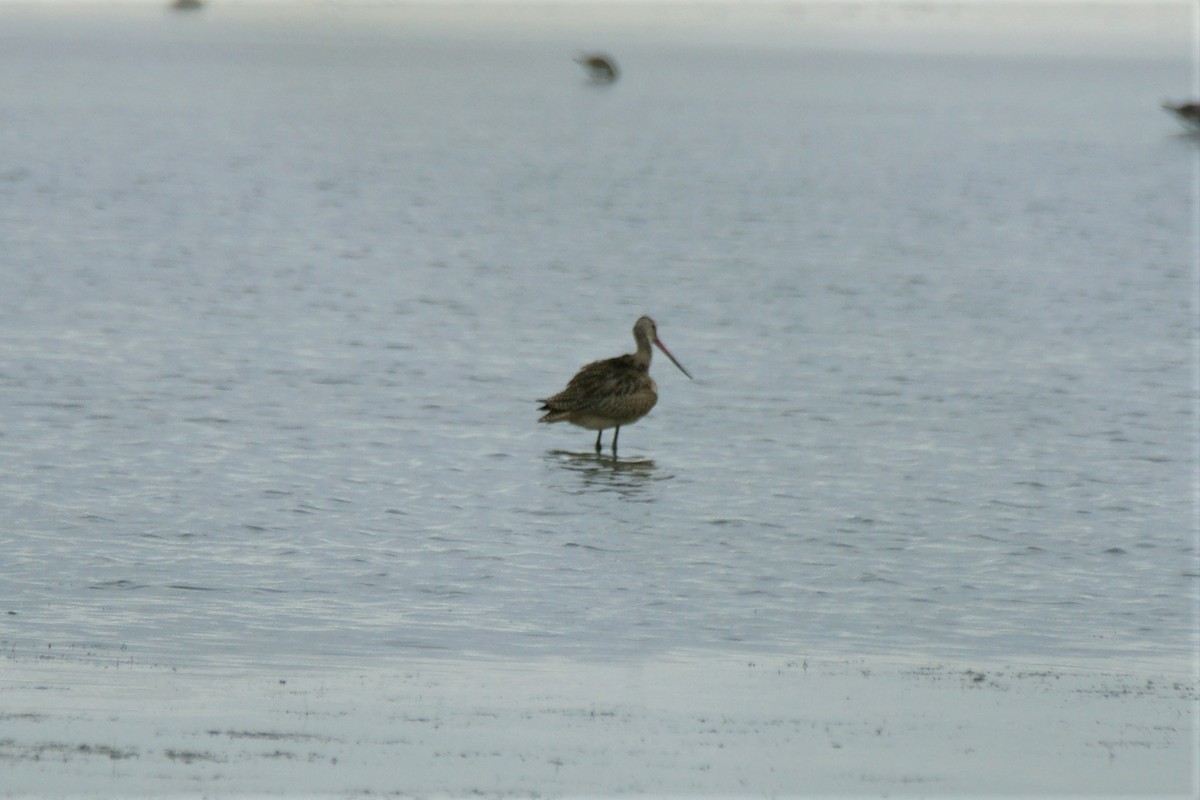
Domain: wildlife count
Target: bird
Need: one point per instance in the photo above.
(601, 68)
(1188, 114)
(611, 392)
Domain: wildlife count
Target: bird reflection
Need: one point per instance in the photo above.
(626, 476)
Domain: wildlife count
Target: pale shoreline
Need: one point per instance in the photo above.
(1119, 27)
(685, 727)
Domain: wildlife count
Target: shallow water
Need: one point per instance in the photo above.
(276, 302)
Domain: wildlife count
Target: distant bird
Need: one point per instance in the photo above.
(1188, 114)
(613, 392)
(187, 5)
(600, 67)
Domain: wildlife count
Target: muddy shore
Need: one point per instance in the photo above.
(686, 726)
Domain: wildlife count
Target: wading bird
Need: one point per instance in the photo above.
(613, 392)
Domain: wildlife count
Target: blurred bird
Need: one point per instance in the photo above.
(601, 68)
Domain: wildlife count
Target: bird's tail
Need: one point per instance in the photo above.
(552, 414)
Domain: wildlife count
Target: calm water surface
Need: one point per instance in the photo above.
(276, 303)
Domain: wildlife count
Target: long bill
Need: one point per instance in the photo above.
(663, 347)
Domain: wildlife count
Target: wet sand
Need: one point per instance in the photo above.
(77, 726)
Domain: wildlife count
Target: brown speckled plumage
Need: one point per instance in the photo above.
(604, 394)
(613, 392)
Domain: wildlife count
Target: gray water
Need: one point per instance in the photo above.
(277, 299)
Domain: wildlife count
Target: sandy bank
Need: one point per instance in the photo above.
(728, 726)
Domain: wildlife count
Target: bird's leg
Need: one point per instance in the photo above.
(616, 431)
(598, 435)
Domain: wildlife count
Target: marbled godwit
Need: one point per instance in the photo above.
(601, 67)
(613, 392)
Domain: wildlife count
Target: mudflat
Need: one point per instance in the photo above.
(672, 726)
